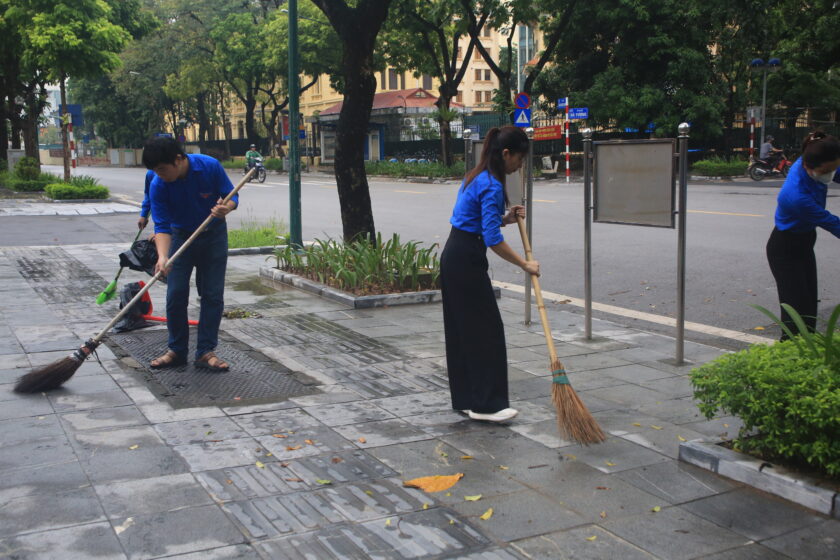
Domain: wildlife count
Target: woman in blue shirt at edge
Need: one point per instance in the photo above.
(801, 208)
(476, 357)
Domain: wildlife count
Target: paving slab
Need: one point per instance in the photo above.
(80, 542)
(590, 542)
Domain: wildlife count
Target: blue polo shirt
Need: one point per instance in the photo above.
(801, 203)
(146, 206)
(184, 204)
(480, 207)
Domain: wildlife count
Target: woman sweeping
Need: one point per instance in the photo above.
(800, 210)
(476, 356)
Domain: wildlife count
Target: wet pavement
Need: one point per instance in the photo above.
(119, 464)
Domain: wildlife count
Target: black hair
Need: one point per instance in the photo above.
(161, 149)
(510, 138)
(819, 148)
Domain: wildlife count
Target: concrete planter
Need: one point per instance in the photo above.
(803, 490)
(357, 302)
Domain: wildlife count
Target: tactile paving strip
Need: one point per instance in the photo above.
(253, 378)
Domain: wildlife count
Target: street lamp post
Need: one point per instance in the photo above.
(771, 65)
(295, 230)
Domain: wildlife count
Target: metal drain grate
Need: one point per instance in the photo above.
(253, 378)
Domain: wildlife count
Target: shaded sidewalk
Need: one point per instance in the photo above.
(107, 468)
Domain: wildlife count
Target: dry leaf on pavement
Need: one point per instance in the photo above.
(487, 514)
(434, 483)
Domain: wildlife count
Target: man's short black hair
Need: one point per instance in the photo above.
(161, 149)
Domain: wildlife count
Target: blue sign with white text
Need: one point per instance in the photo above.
(522, 117)
(562, 102)
(578, 112)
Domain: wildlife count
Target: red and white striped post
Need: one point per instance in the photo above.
(566, 131)
(752, 135)
(72, 143)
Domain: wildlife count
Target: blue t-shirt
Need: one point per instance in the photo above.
(801, 203)
(146, 206)
(480, 207)
(185, 203)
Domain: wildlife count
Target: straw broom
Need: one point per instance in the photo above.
(54, 375)
(574, 420)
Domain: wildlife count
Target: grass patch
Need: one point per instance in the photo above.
(719, 167)
(256, 234)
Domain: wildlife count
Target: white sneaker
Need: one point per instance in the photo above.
(501, 416)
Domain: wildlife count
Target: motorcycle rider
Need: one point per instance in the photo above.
(770, 153)
(251, 156)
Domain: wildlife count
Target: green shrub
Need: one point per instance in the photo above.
(789, 402)
(719, 167)
(363, 266)
(27, 168)
(83, 181)
(26, 185)
(403, 169)
(233, 163)
(66, 191)
(273, 164)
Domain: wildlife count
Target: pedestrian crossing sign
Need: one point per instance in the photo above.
(522, 117)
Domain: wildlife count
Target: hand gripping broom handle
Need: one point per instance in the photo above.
(95, 341)
(537, 292)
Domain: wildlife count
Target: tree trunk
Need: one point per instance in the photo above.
(250, 105)
(65, 141)
(351, 135)
(30, 136)
(445, 130)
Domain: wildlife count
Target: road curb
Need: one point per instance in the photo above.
(762, 475)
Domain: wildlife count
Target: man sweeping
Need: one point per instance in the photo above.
(187, 189)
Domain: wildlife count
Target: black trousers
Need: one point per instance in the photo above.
(476, 357)
(794, 266)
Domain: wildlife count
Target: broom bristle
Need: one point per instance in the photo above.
(48, 377)
(574, 420)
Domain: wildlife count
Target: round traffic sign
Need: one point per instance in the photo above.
(522, 100)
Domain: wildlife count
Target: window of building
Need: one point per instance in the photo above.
(487, 75)
(478, 97)
(485, 31)
(382, 80)
(459, 55)
(427, 81)
(392, 79)
(476, 54)
(477, 75)
(488, 96)
(402, 81)
(459, 97)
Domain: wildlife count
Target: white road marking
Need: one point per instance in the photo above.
(726, 213)
(650, 317)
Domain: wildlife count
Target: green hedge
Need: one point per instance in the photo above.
(788, 400)
(65, 191)
(719, 167)
(233, 163)
(27, 168)
(273, 164)
(402, 169)
(17, 184)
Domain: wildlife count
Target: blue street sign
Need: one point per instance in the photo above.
(522, 100)
(301, 134)
(578, 112)
(522, 117)
(562, 102)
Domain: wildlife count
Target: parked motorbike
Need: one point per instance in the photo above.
(760, 169)
(260, 174)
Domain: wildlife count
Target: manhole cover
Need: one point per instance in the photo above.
(253, 378)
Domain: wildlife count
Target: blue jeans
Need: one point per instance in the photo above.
(208, 255)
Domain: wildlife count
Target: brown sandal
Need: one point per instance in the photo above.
(167, 360)
(212, 362)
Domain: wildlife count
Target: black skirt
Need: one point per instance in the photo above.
(476, 357)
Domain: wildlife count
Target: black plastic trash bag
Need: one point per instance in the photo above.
(142, 256)
(134, 318)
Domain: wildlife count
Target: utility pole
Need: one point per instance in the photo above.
(295, 230)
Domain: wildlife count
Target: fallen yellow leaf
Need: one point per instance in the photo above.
(369, 492)
(570, 456)
(448, 494)
(434, 483)
(679, 437)
(592, 538)
(504, 468)
(656, 427)
(309, 441)
(323, 481)
(425, 506)
(758, 328)
(268, 454)
(610, 463)
(487, 514)
(362, 440)
(444, 454)
(636, 424)
(260, 464)
(473, 498)
(466, 457)
(452, 522)
(133, 447)
(387, 522)
(293, 447)
(655, 509)
(279, 435)
(603, 515)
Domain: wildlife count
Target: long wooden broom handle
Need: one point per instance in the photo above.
(180, 250)
(535, 280)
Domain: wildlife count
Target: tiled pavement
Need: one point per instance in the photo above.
(103, 469)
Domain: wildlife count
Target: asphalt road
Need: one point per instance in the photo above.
(634, 268)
